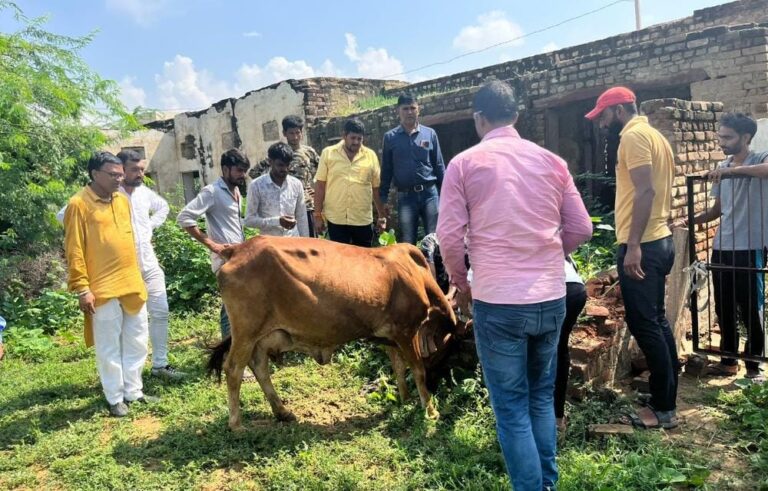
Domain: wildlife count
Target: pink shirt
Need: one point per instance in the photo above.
(520, 212)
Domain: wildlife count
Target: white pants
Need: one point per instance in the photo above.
(157, 308)
(121, 350)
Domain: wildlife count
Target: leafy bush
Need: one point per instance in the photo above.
(29, 344)
(52, 106)
(190, 283)
(599, 253)
(34, 294)
(748, 410)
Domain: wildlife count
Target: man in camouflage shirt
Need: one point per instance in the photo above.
(303, 166)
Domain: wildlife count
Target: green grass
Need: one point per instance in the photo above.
(55, 433)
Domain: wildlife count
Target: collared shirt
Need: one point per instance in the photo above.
(148, 212)
(640, 145)
(222, 216)
(100, 248)
(267, 202)
(348, 188)
(303, 167)
(519, 210)
(744, 209)
(410, 159)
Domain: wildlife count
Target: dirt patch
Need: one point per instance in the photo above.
(147, 428)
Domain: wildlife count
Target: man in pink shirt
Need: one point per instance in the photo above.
(516, 206)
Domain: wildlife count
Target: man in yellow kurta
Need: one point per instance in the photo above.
(346, 185)
(104, 273)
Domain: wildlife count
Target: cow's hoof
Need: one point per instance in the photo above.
(287, 417)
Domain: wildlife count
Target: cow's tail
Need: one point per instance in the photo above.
(218, 355)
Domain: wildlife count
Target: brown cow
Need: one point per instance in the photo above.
(312, 296)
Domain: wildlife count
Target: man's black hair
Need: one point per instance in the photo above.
(292, 122)
(235, 158)
(496, 102)
(280, 151)
(99, 160)
(354, 125)
(740, 123)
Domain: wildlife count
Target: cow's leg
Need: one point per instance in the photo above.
(275, 342)
(239, 356)
(398, 366)
(419, 376)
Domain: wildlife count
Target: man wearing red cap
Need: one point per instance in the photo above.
(644, 173)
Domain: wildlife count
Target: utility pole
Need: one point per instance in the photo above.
(638, 23)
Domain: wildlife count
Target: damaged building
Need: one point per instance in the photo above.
(717, 54)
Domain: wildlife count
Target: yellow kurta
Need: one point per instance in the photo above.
(349, 184)
(100, 252)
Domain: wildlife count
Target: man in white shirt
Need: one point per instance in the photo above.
(276, 200)
(148, 212)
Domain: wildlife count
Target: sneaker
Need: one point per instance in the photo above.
(118, 410)
(145, 399)
(167, 372)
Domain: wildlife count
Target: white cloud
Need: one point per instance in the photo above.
(373, 62)
(491, 28)
(131, 95)
(182, 86)
(143, 12)
(250, 77)
(252, 34)
(549, 47)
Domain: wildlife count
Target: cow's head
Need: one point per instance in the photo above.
(446, 342)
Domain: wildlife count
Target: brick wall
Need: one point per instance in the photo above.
(325, 96)
(728, 63)
(691, 129)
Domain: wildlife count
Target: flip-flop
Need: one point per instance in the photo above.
(720, 370)
(636, 421)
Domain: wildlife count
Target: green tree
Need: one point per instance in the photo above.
(52, 109)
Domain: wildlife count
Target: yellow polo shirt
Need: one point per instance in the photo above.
(348, 184)
(101, 253)
(641, 144)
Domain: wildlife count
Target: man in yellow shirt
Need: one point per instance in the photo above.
(346, 183)
(104, 272)
(644, 174)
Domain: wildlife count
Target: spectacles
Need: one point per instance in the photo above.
(476, 114)
(114, 175)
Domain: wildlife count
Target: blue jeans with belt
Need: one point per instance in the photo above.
(414, 203)
(517, 345)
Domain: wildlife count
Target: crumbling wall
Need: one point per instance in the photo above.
(727, 63)
(691, 129)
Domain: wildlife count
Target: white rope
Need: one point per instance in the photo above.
(698, 277)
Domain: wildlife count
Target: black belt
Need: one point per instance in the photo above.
(417, 188)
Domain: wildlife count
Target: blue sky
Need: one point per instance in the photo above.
(185, 54)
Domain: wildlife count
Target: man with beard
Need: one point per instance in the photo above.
(347, 182)
(644, 173)
(275, 202)
(220, 203)
(740, 241)
(148, 212)
(411, 157)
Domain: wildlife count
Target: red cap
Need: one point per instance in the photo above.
(611, 97)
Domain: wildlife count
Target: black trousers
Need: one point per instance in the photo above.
(311, 223)
(359, 235)
(575, 298)
(647, 318)
(739, 295)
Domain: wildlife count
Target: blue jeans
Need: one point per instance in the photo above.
(224, 322)
(517, 345)
(414, 204)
